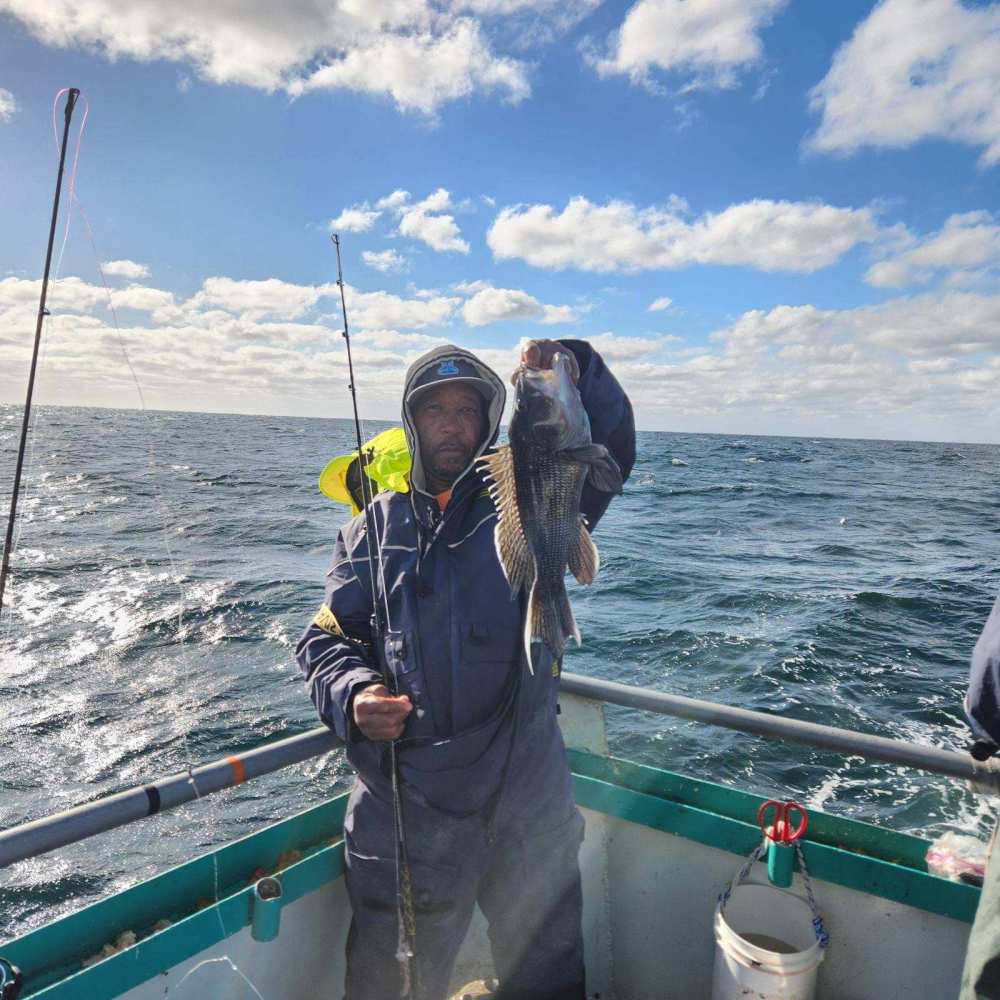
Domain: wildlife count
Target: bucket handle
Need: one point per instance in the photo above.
(822, 938)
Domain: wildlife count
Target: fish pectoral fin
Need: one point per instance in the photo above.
(604, 474)
(584, 560)
(516, 560)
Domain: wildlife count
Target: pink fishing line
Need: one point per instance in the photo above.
(71, 183)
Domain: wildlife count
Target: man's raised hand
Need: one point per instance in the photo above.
(380, 715)
(539, 354)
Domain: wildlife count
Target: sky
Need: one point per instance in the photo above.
(769, 216)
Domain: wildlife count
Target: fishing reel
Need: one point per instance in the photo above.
(11, 980)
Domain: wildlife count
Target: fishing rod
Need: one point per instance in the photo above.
(405, 914)
(71, 97)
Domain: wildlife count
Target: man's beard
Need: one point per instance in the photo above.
(446, 465)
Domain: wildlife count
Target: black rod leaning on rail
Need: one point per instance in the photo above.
(73, 825)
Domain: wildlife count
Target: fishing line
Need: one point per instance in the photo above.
(159, 501)
(162, 513)
(71, 185)
(405, 913)
(215, 961)
(152, 465)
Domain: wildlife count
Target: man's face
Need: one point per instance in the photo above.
(449, 423)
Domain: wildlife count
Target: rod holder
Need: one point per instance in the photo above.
(265, 920)
(780, 864)
(11, 980)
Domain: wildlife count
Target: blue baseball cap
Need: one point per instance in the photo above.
(449, 370)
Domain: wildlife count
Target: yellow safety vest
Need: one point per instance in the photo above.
(387, 464)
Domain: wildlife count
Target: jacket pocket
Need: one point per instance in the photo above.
(372, 884)
(482, 642)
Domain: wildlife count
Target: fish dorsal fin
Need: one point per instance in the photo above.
(515, 557)
(583, 558)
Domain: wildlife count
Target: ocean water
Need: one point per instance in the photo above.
(167, 563)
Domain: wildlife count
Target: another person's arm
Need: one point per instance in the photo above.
(982, 702)
(335, 656)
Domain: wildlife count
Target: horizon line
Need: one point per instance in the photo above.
(293, 416)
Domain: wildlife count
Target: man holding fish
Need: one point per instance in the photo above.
(471, 564)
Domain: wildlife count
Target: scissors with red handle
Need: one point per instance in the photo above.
(777, 826)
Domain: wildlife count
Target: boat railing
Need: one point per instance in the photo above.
(71, 826)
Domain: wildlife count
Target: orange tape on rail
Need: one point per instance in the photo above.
(237, 765)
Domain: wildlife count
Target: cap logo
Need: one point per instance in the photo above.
(447, 368)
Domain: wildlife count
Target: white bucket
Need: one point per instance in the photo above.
(765, 946)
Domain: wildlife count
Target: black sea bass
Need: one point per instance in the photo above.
(536, 482)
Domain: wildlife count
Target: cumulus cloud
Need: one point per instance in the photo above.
(384, 261)
(942, 324)
(222, 347)
(142, 298)
(398, 340)
(68, 294)
(428, 221)
(125, 269)
(423, 71)
(270, 297)
(393, 201)
(253, 301)
(565, 15)
(967, 242)
(926, 365)
(8, 106)
(495, 305)
(914, 69)
(418, 53)
(381, 310)
(658, 305)
(766, 235)
(706, 41)
(356, 219)
(613, 347)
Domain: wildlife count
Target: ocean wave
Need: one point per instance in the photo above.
(832, 549)
(713, 488)
(748, 593)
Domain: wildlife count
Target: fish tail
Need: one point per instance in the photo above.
(549, 620)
